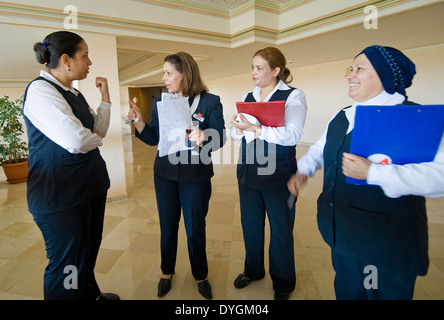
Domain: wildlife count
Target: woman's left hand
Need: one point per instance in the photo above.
(245, 125)
(197, 136)
(102, 84)
(354, 166)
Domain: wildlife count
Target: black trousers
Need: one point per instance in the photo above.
(72, 240)
(253, 204)
(193, 200)
(356, 280)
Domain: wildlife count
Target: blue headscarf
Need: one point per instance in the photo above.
(394, 69)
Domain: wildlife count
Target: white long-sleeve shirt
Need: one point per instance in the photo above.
(49, 112)
(422, 179)
(295, 114)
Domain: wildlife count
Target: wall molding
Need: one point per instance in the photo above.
(121, 26)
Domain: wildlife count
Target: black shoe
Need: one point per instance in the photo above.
(108, 296)
(241, 281)
(164, 286)
(205, 289)
(278, 295)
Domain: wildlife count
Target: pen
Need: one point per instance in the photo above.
(189, 141)
(291, 201)
(128, 121)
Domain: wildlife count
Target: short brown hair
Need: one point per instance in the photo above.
(191, 84)
(275, 59)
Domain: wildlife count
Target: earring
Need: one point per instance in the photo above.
(69, 70)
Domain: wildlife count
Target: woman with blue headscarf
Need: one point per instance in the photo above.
(378, 232)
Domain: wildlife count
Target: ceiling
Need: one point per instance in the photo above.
(411, 29)
(224, 4)
(140, 65)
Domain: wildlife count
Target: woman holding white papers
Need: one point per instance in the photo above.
(267, 159)
(183, 180)
(377, 232)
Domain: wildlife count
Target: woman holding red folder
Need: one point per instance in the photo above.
(267, 160)
(377, 232)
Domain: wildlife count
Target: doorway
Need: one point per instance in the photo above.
(145, 97)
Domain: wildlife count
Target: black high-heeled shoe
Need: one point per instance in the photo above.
(205, 289)
(108, 296)
(164, 286)
(241, 281)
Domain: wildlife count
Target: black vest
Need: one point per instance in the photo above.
(264, 165)
(57, 179)
(360, 221)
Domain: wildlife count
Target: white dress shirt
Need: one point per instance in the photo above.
(295, 114)
(422, 179)
(50, 113)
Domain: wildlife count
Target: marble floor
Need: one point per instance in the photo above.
(129, 259)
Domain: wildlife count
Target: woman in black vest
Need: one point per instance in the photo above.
(377, 232)
(267, 159)
(67, 180)
(185, 183)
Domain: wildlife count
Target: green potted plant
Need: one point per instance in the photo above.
(13, 150)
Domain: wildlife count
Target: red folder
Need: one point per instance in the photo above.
(270, 114)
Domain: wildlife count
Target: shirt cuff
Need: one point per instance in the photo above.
(378, 175)
(105, 104)
(264, 133)
(372, 176)
(234, 135)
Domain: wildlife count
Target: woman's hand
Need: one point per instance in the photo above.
(102, 84)
(354, 166)
(98, 133)
(239, 132)
(296, 183)
(245, 125)
(197, 136)
(135, 114)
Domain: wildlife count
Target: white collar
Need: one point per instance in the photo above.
(50, 77)
(280, 86)
(382, 99)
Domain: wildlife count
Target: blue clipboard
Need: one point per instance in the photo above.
(398, 134)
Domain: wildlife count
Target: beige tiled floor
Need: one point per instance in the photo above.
(129, 260)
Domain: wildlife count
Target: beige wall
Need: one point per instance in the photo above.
(325, 87)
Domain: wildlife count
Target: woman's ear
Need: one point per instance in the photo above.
(65, 60)
(276, 71)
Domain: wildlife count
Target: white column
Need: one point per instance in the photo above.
(103, 54)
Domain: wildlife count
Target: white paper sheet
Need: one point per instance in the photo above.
(174, 119)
